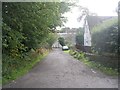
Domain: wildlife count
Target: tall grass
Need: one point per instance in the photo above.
(18, 67)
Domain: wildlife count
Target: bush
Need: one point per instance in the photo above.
(26, 26)
(78, 55)
(61, 41)
(80, 37)
(51, 39)
(105, 37)
(15, 67)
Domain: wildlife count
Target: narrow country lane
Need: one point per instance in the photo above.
(60, 70)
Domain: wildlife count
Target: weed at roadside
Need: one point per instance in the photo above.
(13, 72)
(81, 57)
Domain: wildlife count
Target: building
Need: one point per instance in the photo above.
(90, 22)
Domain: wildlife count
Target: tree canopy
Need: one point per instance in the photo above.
(28, 27)
(27, 24)
(61, 41)
(105, 37)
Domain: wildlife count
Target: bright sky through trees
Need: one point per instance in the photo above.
(100, 7)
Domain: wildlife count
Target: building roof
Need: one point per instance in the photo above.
(94, 20)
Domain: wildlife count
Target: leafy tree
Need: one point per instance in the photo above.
(105, 37)
(25, 25)
(61, 41)
(119, 27)
(80, 37)
(51, 39)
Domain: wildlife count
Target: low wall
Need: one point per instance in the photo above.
(109, 61)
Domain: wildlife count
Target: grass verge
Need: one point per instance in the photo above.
(18, 72)
(67, 51)
(81, 57)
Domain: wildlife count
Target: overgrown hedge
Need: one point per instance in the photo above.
(105, 37)
(80, 39)
(28, 26)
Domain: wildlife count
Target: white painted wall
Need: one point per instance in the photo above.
(87, 35)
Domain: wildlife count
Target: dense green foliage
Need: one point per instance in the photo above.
(80, 37)
(13, 68)
(51, 39)
(28, 26)
(105, 37)
(119, 27)
(61, 41)
(25, 25)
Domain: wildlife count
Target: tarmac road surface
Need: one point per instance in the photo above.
(60, 70)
